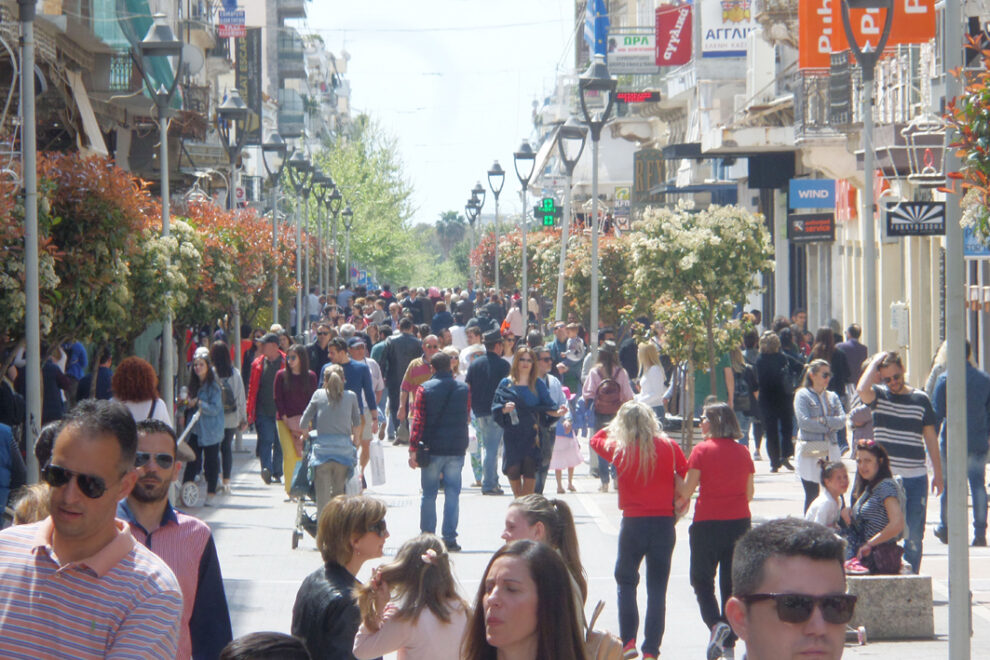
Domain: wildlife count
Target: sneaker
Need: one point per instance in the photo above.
(210, 497)
(980, 542)
(775, 469)
(787, 464)
(855, 567)
(629, 650)
(189, 493)
(942, 534)
(476, 484)
(603, 488)
(266, 475)
(756, 455)
(452, 546)
(494, 491)
(716, 643)
(277, 479)
(225, 488)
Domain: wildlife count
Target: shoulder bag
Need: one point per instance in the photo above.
(600, 644)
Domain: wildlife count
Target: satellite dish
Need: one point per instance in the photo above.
(192, 59)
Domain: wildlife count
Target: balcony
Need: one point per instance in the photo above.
(291, 9)
(291, 55)
(291, 113)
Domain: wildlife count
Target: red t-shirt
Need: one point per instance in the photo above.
(725, 466)
(655, 496)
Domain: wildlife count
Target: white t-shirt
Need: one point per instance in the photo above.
(141, 409)
(458, 337)
(824, 510)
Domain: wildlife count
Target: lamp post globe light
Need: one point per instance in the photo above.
(571, 138)
(496, 179)
(335, 200)
(595, 83)
(160, 41)
(299, 176)
(348, 215)
(525, 160)
(277, 146)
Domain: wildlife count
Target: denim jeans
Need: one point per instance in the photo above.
(712, 545)
(976, 465)
(269, 448)
(745, 422)
(604, 467)
(446, 470)
(489, 439)
(651, 537)
(916, 490)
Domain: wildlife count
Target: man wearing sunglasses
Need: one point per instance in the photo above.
(185, 543)
(76, 584)
(789, 592)
(904, 423)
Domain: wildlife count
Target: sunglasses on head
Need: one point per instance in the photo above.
(164, 461)
(797, 608)
(866, 442)
(57, 476)
(378, 528)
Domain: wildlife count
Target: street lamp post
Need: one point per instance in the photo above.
(348, 216)
(570, 144)
(496, 179)
(595, 82)
(299, 175)
(324, 186)
(162, 42)
(275, 145)
(867, 56)
(524, 160)
(335, 200)
(478, 196)
(472, 210)
(230, 112)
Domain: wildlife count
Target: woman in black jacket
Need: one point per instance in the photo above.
(326, 616)
(773, 370)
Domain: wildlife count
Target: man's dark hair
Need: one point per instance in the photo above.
(751, 338)
(798, 310)
(265, 646)
(104, 355)
(784, 537)
(405, 324)
(338, 343)
(152, 425)
(473, 330)
(534, 339)
(269, 338)
(854, 330)
(440, 362)
(98, 417)
(891, 359)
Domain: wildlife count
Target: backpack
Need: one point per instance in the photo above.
(229, 399)
(742, 396)
(608, 397)
(787, 378)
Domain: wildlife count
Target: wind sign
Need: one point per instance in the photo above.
(811, 194)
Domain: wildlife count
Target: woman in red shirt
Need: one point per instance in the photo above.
(724, 470)
(648, 468)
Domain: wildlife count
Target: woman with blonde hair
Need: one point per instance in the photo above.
(649, 469)
(651, 378)
(412, 606)
(332, 453)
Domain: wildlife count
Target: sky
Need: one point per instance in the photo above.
(453, 81)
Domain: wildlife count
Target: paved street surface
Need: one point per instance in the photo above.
(253, 530)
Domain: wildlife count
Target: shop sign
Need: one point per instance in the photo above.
(632, 50)
(621, 206)
(973, 245)
(915, 218)
(725, 25)
(810, 227)
(811, 194)
(673, 35)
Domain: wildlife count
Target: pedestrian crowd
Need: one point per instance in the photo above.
(101, 564)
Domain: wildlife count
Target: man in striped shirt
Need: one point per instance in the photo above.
(904, 423)
(184, 542)
(77, 585)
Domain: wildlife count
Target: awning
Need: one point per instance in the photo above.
(91, 128)
(683, 150)
(615, 165)
(544, 155)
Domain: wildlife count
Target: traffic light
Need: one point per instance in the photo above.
(547, 211)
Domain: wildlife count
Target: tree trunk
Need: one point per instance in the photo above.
(710, 345)
(688, 407)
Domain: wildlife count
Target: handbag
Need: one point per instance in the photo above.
(600, 644)
(884, 559)
(377, 459)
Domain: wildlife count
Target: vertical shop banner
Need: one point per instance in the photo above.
(674, 35)
(725, 24)
(248, 81)
(649, 173)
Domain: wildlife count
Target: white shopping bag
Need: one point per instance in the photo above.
(377, 453)
(353, 486)
(472, 440)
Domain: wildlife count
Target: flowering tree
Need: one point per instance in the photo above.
(967, 113)
(709, 259)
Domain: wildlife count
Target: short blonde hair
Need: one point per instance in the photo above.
(341, 519)
(769, 342)
(31, 503)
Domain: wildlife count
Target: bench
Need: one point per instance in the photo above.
(893, 606)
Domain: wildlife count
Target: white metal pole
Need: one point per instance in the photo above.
(565, 228)
(32, 314)
(168, 377)
(274, 256)
(498, 287)
(870, 301)
(594, 245)
(299, 257)
(524, 227)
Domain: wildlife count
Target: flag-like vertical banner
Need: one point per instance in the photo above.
(596, 27)
(248, 81)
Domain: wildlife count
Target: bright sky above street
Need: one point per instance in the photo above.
(452, 80)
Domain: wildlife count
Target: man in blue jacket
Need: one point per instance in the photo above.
(439, 426)
(483, 377)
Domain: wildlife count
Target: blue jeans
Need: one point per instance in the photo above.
(651, 537)
(446, 470)
(916, 490)
(269, 448)
(604, 467)
(489, 438)
(976, 465)
(745, 422)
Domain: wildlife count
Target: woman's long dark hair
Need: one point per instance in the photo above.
(559, 634)
(608, 358)
(220, 354)
(195, 385)
(302, 356)
(824, 345)
(883, 467)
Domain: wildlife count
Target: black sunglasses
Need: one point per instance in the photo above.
(57, 476)
(890, 379)
(379, 528)
(163, 460)
(797, 608)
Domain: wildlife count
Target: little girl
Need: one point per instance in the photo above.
(566, 451)
(412, 606)
(826, 507)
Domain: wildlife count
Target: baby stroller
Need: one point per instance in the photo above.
(303, 492)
